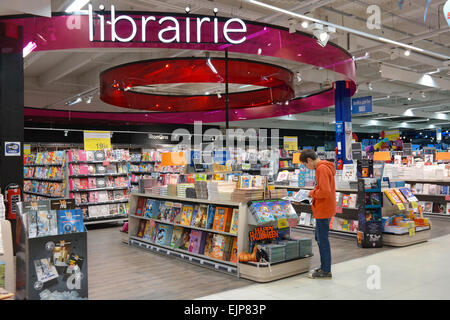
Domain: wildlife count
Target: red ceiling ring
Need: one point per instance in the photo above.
(116, 84)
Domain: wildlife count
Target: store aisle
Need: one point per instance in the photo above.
(415, 272)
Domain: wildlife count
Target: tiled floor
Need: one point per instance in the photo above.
(414, 272)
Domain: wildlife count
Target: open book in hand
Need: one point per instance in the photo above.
(301, 196)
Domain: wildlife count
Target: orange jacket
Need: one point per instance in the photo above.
(324, 194)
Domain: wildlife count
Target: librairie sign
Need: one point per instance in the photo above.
(172, 31)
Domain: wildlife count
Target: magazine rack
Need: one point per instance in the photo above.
(7, 256)
(59, 285)
(408, 237)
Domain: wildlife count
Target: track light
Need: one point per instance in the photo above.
(305, 24)
(88, 99)
(29, 48)
(407, 53)
(299, 77)
(77, 100)
(369, 85)
(321, 33)
(66, 132)
(209, 63)
(187, 9)
(76, 5)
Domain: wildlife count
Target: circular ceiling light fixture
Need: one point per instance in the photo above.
(120, 85)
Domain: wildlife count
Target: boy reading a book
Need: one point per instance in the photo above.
(323, 207)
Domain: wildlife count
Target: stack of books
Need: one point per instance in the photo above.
(278, 193)
(201, 189)
(291, 251)
(244, 195)
(163, 191)
(148, 184)
(275, 252)
(220, 190)
(304, 247)
(181, 189)
(172, 190)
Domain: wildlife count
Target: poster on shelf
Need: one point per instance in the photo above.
(173, 159)
(296, 158)
(290, 143)
(349, 172)
(97, 140)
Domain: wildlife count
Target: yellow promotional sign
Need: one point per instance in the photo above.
(290, 143)
(26, 149)
(392, 135)
(97, 140)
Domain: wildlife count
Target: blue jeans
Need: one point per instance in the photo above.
(321, 235)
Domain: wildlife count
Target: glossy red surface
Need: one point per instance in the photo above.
(117, 84)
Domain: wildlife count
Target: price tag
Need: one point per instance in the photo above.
(412, 231)
(97, 140)
(282, 223)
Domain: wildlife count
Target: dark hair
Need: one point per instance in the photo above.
(307, 153)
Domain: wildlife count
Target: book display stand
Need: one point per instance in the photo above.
(296, 253)
(7, 257)
(416, 230)
(156, 229)
(51, 264)
(369, 206)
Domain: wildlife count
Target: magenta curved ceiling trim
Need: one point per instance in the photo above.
(65, 32)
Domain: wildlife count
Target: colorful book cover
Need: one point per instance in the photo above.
(392, 196)
(148, 207)
(149, 230)
(84, 170)
(233, 256)
(141, 228)
(91, 168)
(195, 240)
(84, 184)
(61, 253)
(202, 215)
(176, 235)
(262, 212)
(400, 195)
(186, 214)
(222, 219)
(234, 221)
(218, 247)
(165, 214)
(210, 217)
(345, 200)
(207, 250)
(70, 221)
(195, 214)
(82, 155)
(47, 224)
(406, 192)
(175, 215)
(156, 208)
(184, 240)
(140, 206)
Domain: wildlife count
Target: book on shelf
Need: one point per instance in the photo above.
(222, 219)
(175, 214)
(218, 247)
(184, 239)
(45, 270)
(61, 253)
(207, 247)
(123, 208)
(141, 228)
(392, 196)
(70, 221)
(140, 206)
(163, 234)
(113, 208)
(186, 214)
(194, 215)
(234, 221)
(233, 255)
(261, 212)
(176, 236)
(400, 195)
(99, 155)
(439, 208)
(196, 240)
(165, 210)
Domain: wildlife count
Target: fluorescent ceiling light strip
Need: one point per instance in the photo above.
(211, 66)
(360, 33)
(76, 5)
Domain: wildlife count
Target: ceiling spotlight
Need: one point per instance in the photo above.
(423, 95)
(209, 63)
(286, 103)
(215, 10)
(321, 33)
(305, 24)
(369, 85)
(207, 93)
(88, 99)
(187, 9)
(259, 51)
(407, 53)
(299, 77)
(66, 132)
(219, 95)
(409, 98)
